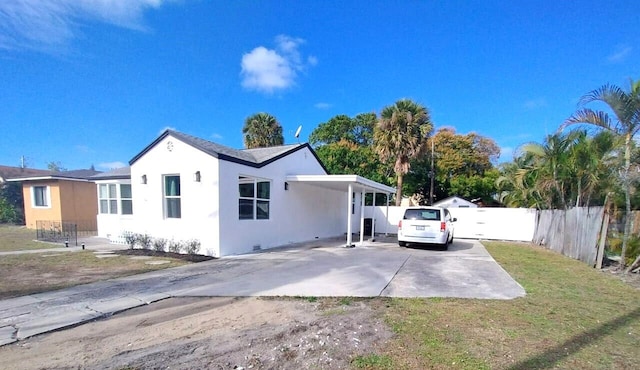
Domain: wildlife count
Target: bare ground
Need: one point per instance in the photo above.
(213, 333)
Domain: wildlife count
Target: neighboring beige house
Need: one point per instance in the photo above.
(68, 196)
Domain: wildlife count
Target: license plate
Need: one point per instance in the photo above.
(419, 227)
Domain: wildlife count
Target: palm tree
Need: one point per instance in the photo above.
(551, 161)
(401, 135)
(262, 130)
(625, 106)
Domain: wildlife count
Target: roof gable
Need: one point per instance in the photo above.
(258, 157)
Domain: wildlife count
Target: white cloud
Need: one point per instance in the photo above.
(267, 70)
(216, 136)
(47, 24)
(111, 165)
(620, 54)
(322, 105)
(535, 103)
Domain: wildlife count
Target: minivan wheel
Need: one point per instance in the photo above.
(402, 244)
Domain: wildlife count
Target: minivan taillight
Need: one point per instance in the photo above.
(443, 226)
(400, 225)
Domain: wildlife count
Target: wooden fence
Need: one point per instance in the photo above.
(574, 233)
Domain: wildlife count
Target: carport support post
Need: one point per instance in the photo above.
(373, 217)
(349, 203)
(386, 223)
(362, 193)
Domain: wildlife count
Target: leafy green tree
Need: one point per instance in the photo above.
(262, 130)
(462, 163)
(344, 145)
(11, 203)
(400, 137)
(55, 166)
(625, 122)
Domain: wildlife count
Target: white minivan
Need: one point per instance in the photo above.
(432, 225)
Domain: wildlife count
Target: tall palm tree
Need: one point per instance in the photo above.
(401, 135)
(262, 130)
(625, 122)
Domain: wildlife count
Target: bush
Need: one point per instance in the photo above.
(175, 246)
(633, 247)
(8, 213)
(192, 246)
(144, 241)
(131, 238)
(159, 244)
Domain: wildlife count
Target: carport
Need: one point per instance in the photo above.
(350, 184)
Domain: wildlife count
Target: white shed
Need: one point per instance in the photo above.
(233, 201)
(455, 202)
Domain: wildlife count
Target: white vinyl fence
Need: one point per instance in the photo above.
(516, 224)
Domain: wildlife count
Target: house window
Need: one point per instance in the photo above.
(40, 196)
(254, 198)
(109, 198)
(126, 203)
(172, 196)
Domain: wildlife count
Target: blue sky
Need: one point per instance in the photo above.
(93, 82)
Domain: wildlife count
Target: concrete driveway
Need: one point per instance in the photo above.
(466, 270)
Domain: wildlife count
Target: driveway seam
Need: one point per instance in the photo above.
(394, 275)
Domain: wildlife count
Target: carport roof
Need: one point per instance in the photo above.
(342, 182)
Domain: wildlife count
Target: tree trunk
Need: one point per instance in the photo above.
(627, 200)
(399, 189)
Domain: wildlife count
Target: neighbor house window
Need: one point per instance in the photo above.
(172, 196)
(108, 199)
(40, 196)
(126, 203)
(254, 198)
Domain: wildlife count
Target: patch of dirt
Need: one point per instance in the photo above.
(632, 279)
(213, 333)
(152, 253)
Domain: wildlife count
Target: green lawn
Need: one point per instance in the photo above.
(573, 317)
(15, 238)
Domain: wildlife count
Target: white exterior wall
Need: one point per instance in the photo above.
(199, 200)
(516, 224)
(302, 213)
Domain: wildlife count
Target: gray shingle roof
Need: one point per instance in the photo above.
(75, 174)
(8, 172)
(116, 173)
(258, 157)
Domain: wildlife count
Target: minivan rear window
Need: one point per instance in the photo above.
(422, 214)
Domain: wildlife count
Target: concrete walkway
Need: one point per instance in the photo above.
(380, 269)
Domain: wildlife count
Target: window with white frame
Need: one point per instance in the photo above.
(109, 198)
(172, 207)
(40, 196)
(254, 198)
(126, 201)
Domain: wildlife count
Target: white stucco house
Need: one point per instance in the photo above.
(233, 201)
